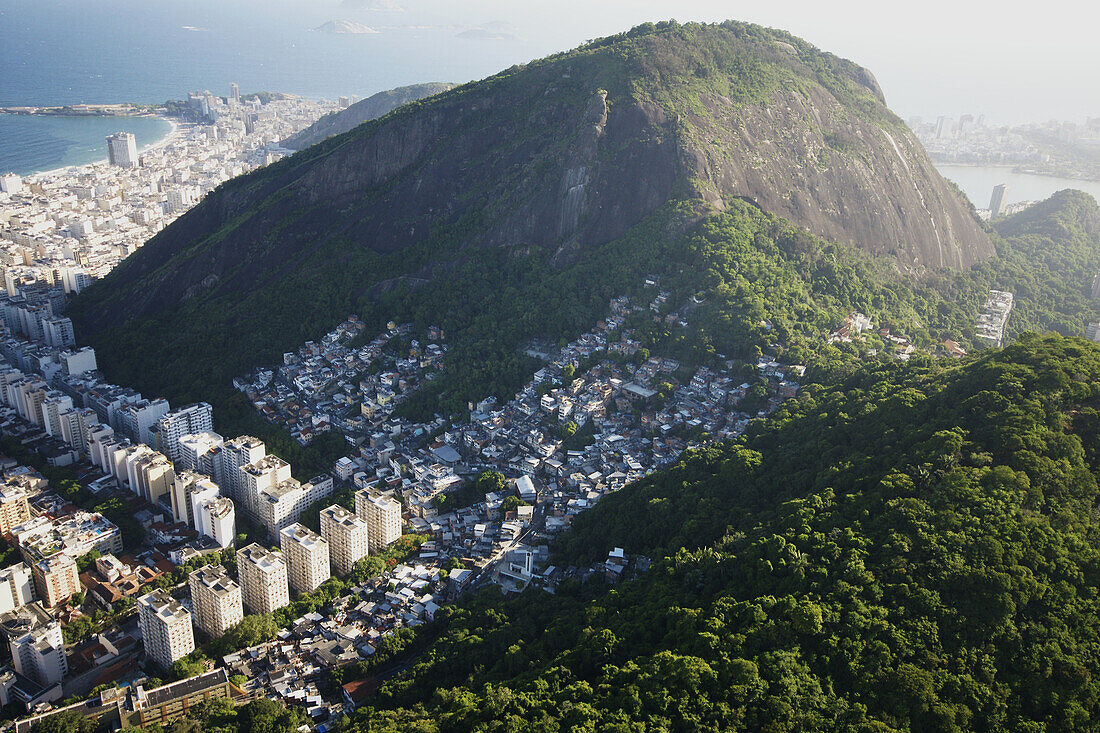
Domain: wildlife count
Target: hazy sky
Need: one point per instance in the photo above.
(1010, 61)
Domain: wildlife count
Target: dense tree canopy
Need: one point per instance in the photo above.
(910, 549)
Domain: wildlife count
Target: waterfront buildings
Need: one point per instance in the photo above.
(122, 150)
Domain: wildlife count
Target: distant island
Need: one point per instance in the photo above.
(345, 26)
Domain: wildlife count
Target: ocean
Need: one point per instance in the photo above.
(57, 52)
(32, 144)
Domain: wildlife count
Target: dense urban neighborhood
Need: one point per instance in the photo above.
(117, 503)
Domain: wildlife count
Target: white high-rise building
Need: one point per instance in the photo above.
(188, 420)
(150, 474)
(255, 477)
(346, 535)
(11, 184)
(307, 557)
(219, 520)
(38, 651)
(236, 454)
(217, 600)
(263, 576)
(383, 517)
(122, 149)
(76, 425)
(58, 332)
(199, 452)
(55, 403)
(16, 587)
(137, 420)
(281, 505)
(166, 630)
(189, 492)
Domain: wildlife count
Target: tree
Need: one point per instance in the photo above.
(87, 560)
(66, 721)
(568, 430)
(185, 668)
(249, 631)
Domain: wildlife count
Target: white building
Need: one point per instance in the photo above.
(237, 453)
(16, 587)
(307, 557)
(122, 150)
(217, 600)
(255, 477)
(279, 506)
(188, 420)
(219, 520)
(346, 535)
(201, 452)
(166, 631)
(263, 577)
(137, 420)
(11, 184)
(39, 652)
(382, 515)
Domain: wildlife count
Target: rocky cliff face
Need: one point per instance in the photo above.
(365, 110)
(804, 157)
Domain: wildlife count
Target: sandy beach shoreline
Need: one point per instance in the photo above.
(169, 137)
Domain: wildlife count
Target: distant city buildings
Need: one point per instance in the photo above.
(68, 227)
(997, 200)
(990, 328)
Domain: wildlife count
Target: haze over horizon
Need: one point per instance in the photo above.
(939, 58)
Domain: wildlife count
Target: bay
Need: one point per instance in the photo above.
(977, 183)
(36, 143)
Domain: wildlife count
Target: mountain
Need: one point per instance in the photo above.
(373, 107)
(518, 205)
(345, 27)
(913, 548)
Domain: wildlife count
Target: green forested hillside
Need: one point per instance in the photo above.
(515, 207)
(913, 549)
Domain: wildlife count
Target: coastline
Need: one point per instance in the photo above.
(169, 137)
(1016, 169)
